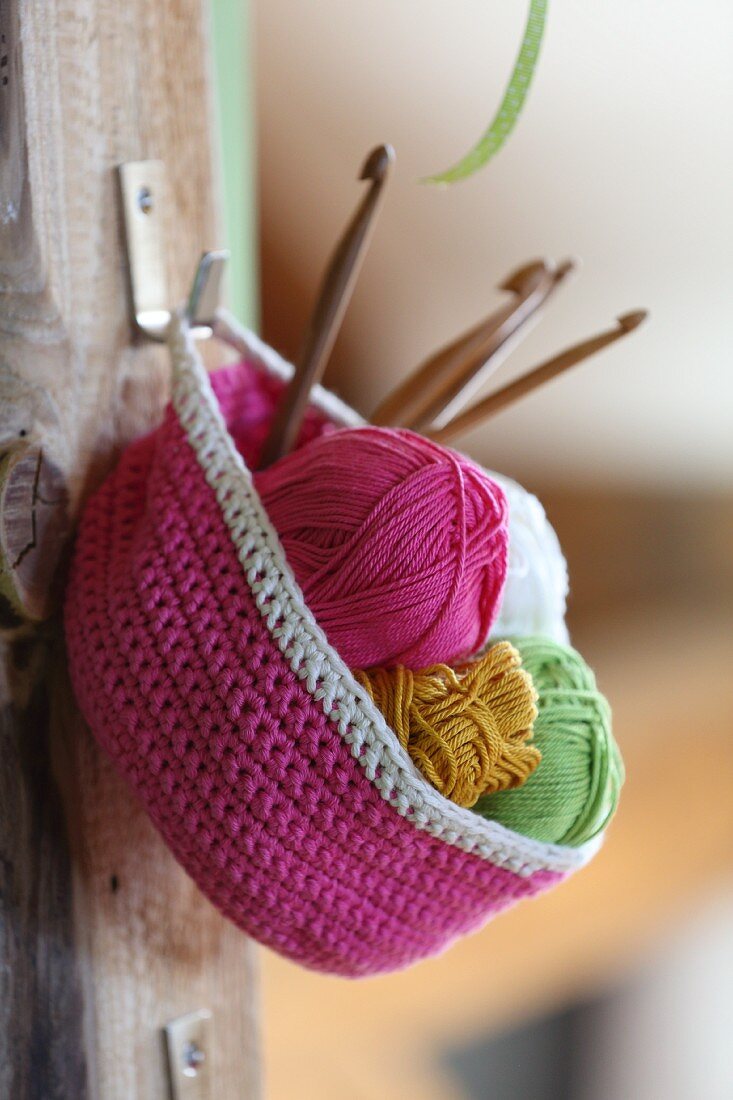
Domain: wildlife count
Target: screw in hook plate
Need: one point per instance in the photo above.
(144, 189)
(193, 1058)
(145, 200)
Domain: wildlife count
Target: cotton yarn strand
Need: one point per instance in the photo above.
(467, 730)
(398, 544)
(574, 792)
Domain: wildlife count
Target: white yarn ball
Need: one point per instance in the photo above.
(536, 589)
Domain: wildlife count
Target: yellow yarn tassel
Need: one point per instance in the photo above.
(467, 729)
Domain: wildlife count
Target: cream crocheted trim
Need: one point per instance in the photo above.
(300, 639)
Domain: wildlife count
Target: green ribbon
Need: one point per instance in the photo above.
(510, 109)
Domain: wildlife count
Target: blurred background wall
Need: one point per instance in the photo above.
(624, 158)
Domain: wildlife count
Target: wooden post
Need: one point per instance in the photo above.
(103, 938)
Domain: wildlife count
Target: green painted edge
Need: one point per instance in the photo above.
(230, 25)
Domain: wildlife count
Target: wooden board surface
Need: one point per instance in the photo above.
(103, 938)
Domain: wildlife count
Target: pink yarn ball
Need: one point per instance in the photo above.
(399, 545)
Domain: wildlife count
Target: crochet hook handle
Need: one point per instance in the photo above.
(413, 398)
(336, 290)
(485, 361)
(537, 377)
(447, 381)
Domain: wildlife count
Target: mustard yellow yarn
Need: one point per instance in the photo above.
(467, 729)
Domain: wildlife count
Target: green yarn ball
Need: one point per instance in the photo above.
(574, 792)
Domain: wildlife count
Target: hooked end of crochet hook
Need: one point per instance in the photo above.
(629, 321)
(567, 267)
(526, 278)
(378, 163)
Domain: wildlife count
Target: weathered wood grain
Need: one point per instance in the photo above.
(33, 533)
(43, 1053)
(103, 937)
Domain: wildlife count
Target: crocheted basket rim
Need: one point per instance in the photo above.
(295, 631)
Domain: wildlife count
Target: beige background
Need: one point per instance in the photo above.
(624, 157)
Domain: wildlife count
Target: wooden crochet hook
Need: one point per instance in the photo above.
(336, 289)
(537, 377)
(423, 393)
(477, 369)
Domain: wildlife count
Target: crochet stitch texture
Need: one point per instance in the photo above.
(267, 769)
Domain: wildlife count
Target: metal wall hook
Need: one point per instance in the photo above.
(144, 194)
(205, 295)
(189, 1047)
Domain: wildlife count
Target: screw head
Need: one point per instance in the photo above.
(193, 1058)
(145, 200)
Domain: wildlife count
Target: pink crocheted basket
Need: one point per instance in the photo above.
(269, 772)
